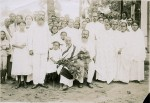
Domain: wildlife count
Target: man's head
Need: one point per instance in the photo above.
(124, 15)
(94, 17)
(54, 29)
(107, 26)
(71, 22)
(101, 20)
(12, 17)
(135, 26)
(85, 34)
(106, 20)
(114, 25)
(63, 35)
(84, 24)
(19, 18)
(56, 45)
(64, 24)
(129, 21)
(123, 26)
(87, 20)
(76, 25)
(28, 19)
(3, 35)
(40, 20)
(68, 41)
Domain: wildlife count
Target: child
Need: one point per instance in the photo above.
(55, 54)
(4, 46)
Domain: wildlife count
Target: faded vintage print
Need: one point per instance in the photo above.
(74, 51)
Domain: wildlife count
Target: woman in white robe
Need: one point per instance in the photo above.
(124, 54)
(20, 65)
(138, 54)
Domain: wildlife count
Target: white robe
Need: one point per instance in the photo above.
(138, 55)
(56, 55)
(124, 59)
(105, 58)
(39, 43)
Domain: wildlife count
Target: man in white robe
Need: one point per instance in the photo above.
(38, 46)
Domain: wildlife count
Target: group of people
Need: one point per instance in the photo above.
(34, 46)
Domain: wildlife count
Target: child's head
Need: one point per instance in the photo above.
(56, 45)
(3, 35)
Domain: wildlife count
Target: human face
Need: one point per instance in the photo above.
(70, 24)
(68, 41)
(107, 26)
(3, 35)
(95, 17)
(22, 26)
(18, 18)
(54, 29)
(114, 25)
(123, 27)
(84, 24)
(101, 20)
(29, 19)
(56, 46)
(85, 34)
(135, 26)
(124, 16)
(129, 21)
(87, 20)
(12, 17)
(63, 35)
(106, 21)
(64, 24)
(76, 25)
(40, 21)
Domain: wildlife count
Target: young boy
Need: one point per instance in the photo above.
(55, 54)
(4, 46)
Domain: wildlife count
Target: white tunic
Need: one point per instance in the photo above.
(124, 59)
(20, 64)
(56, 55)
(105, 58)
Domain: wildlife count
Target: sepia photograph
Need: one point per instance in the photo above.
(75, 51)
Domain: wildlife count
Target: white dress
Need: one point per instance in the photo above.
(105, 58)
(20, 60)
(138, 56)
(56, 55)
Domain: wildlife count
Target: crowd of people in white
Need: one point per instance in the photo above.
(34, 46)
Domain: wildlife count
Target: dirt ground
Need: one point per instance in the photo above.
(115, 92)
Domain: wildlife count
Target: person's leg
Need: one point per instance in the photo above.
(19, 81)
(1, 70)
(4, 67)
(36, 70)
(43, 66)
(9, 66)
(91, 71)
(81, 79)
(25, 80)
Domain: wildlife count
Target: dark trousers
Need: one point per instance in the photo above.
(9, 66)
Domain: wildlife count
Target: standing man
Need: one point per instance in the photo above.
(38, 47)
